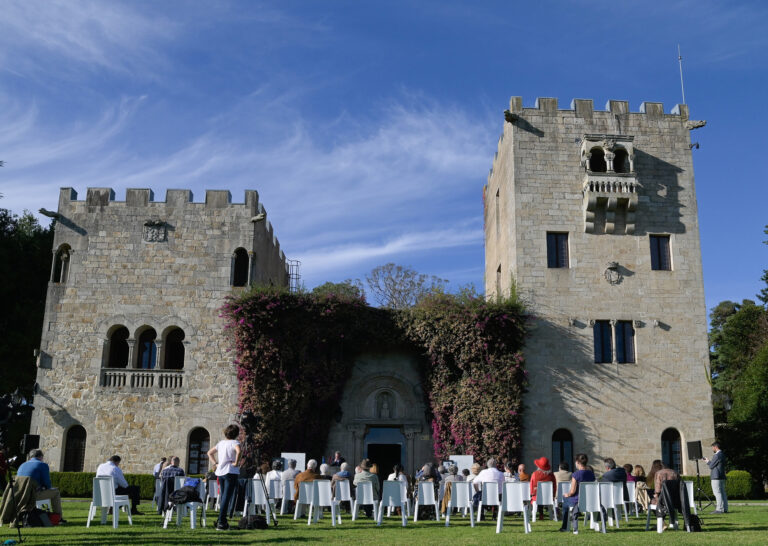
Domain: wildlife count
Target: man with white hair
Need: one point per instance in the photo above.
(490, 474)
(309, 475)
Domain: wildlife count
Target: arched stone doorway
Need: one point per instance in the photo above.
(383, 412)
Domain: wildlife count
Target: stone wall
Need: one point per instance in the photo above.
(616, 410)
(139, 264)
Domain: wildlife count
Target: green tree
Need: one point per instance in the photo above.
(348, 289)
(25, 266)
(763, 295)
(399, 287)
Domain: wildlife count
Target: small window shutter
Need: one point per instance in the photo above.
(551, 250)
(664, 254)
(598, 342)
(562, 254)
(655, 266)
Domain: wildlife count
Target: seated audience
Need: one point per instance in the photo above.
(662, 475)
(615, 474)
(564, 473)
(112, 468)
(40, 473)
(571, 497)
(343, 474)
(650, 479)
(521, 474)
(172, 470)
(628, 470)
(365, 475)
(290, 473)
(509, 472)
(276, 472)
(159, 467)
(309, 475)
(543, 473)
(474, 470)
(325, 472)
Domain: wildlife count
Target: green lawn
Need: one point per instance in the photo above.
(744, 525)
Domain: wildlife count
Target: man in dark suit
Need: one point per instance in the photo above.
(615, 474)
(717, 474)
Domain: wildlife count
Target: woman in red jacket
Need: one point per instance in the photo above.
(543, 473)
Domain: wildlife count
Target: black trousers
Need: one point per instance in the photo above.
(133, 492)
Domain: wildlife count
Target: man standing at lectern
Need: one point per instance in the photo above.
(717, 474)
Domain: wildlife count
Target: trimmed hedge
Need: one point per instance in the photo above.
(80, 484)
(738, 484)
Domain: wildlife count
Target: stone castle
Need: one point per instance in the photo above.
(589, 215)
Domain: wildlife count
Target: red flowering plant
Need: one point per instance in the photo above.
(294, 353)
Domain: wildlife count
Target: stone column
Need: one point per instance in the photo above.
(251, 266)
(159, 355)
(358, 433)
(410, 434)
(131, 356)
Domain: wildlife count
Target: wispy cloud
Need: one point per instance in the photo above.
(340, 193)
(37, 36)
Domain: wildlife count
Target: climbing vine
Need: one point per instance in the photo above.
(294, 353)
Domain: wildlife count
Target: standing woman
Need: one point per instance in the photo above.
(227, 471)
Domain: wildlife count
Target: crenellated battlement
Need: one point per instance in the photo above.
(145, 197)
(584, 108)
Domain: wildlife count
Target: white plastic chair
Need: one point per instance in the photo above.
(321, 497)
(620, 501)
(343, 494)
(364, 497)
(212, 494)
(632, 500)
(275, 489)
(544, 497)
(691, 500)
(305, 497)
(158, 491)
(589, 503)
(513, 500)
(104, 497)
(258, 499)
(188, 508)
(609, 502)
(562, 489)
(406, 500)
(489, 497)
(425, 496)
(461, 497)
(287, 496)
(392, 497)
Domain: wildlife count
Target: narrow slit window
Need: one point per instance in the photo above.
(602, 339)
(625, 342)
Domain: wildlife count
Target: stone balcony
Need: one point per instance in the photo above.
(612, 196)
(138, 379)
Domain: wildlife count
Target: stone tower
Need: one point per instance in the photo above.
(591, 217)
(133, 359)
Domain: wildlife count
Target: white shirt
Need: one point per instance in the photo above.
(272, 475)
(489, 475)
(157, 469)
(226, 452)
(111, 469)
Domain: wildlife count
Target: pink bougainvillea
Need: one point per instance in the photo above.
(294, 353)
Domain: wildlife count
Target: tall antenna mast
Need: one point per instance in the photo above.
(680, 62)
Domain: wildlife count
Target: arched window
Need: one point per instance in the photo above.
(562, 448)
(74, 449)
(61, 264)
(240, 267)
(197, 454)
(621, 161)
(671, 452)
(597, 160)
(174, 350)
(147, 350)
(118, 348)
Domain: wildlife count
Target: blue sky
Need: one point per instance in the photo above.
(368, 128)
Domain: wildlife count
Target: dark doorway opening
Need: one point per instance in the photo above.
(386, 456)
